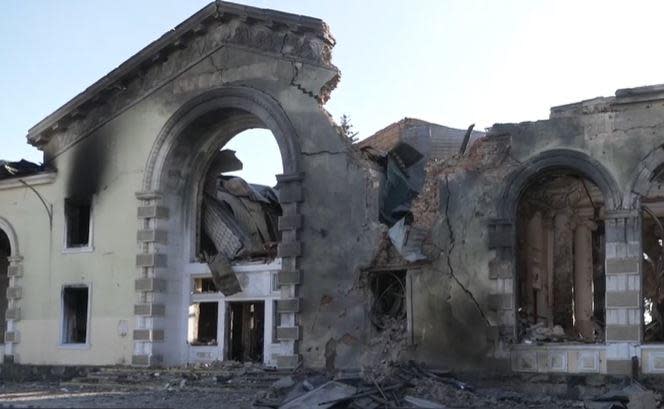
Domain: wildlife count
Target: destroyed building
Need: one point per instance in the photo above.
(533, 247)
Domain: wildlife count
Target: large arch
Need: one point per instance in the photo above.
(557, 159)
(14, 270)
(503, 231)
(7, 228)
(646, 171)
(257, 104)
(645, 197)
(171, 197)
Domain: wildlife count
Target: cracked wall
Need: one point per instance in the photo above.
(464, 311)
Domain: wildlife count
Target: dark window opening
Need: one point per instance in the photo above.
(653, 274)
(77, 216)
(245, 331)
(203, 323)
(5, 252)
(561, 278)
(75, 315)
(204, 285)
(388, 308)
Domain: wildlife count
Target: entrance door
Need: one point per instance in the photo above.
(245, 323)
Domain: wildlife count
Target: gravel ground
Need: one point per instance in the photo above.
(44, 395)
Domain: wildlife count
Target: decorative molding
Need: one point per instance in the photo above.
(33, 180)
(278, 34)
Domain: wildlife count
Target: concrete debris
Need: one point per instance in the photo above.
(539, 332)
(223, 276)
(407, 240)
(239, 221)
(402, 385)
(324, 396)
(422, 403)
(633, 396)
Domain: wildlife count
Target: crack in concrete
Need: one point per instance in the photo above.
(217, 68)
(283, 44)
(300, 87)
(450, 248)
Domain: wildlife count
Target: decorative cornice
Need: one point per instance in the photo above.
(288, 36)
(33, 180)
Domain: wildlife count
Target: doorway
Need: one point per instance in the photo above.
(245, 331)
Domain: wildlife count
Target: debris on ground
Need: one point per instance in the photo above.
(393, 385)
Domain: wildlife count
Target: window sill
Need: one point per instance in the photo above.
(78, 250)
(74, 346)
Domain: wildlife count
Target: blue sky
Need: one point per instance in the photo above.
(450, 62)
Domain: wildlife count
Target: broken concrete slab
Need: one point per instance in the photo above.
(325, 396)
(423, 403)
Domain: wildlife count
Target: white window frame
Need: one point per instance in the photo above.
(61, 337)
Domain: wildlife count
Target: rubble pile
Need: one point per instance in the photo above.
(214, 375)
(411, 385)
(393, 385)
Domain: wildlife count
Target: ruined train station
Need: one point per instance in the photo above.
(527, 247)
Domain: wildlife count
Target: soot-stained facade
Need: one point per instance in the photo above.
(529, 247)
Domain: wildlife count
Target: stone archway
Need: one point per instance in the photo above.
(13, 270)
(503, 231)
(179, 158)
(646, 197)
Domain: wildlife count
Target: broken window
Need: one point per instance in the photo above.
(77, 220)
(245, 331)
(203, 323)
(561, 282)
(388, 307)
(204, 285)
(5, 252)
(75, 315)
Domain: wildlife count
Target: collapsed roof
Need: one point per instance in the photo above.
(20, 168)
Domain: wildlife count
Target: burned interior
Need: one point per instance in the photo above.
(653, 259)
(245, 331)
(561, 279)
(75, 315)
